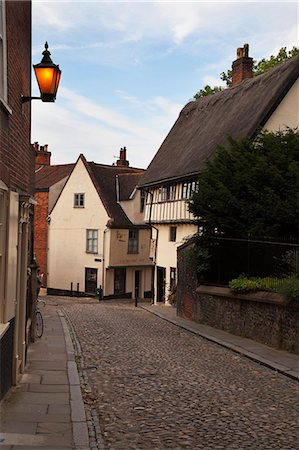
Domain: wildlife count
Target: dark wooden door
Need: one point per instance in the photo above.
(91, 280)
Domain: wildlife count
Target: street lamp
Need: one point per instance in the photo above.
(48, 76)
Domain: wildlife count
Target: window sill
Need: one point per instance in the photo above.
(5, 106)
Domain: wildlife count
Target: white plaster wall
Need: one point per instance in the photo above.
(67, 257)
(287, 112)
(132, 208)
(167, 250)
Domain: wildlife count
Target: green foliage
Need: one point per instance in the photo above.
(267, 64)
(290, 289)
(197, 256)
(227, 77)
(208, 90)
(252, 187)
(258, 68)
(242, 284)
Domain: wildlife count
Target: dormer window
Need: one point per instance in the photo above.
(79, 200)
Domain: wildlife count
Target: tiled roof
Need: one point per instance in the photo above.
(104, 178)
(47, 176)
(206, 123)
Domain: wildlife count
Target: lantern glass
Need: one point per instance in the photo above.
(48, 76)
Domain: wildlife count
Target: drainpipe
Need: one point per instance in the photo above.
(103, 261)
(155, 255)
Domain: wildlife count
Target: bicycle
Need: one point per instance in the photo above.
(39, 321)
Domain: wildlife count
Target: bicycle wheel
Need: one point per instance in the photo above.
(39, 326)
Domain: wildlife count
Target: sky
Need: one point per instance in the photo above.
(128, 68)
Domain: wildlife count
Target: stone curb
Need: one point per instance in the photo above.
(80, 384)
(78, 418)
(236, 348)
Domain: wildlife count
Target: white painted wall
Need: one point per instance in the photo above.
(287, 112)
(67, 257)
(167, 250)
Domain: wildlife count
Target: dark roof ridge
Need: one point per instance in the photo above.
(205, 124)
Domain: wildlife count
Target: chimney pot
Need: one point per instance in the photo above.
(242, 67)
(42, 156)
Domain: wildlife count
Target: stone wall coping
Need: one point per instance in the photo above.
(258, 296)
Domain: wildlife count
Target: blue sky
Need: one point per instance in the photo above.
(128, 68)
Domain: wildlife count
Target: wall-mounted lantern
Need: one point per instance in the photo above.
(48, 76)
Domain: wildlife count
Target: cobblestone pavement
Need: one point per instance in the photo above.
(156, 386)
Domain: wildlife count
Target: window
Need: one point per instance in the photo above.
(78, 200)
(92, 241)
(167, 193)
(188, 188)
(3, 62)
(133, 241)
(2, 247)
(142, 199)
(172, 234)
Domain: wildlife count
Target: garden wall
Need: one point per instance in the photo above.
(261, 316)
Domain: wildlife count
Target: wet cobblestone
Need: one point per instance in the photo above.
(156, 386)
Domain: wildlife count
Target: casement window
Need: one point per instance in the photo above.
(167, 193)
(78, 200)
(142, 199)
(3, 56)
(172, 234)
(92, 241)
(188, 188)
(133, 241)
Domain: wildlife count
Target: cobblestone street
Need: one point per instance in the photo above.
(156, 386)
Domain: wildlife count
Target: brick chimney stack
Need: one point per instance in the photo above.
(42, 156)
(243, 66)
(122, 161)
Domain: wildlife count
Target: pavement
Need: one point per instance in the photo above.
(46, 410)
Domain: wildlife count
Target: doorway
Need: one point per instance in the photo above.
(137, 285)
(161, 276)
(91, 280)
(119, 281)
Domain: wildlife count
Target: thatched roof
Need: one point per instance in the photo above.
(207, 122)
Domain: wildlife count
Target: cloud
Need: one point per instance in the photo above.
(76, 124)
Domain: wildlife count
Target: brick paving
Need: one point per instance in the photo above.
(155, 386)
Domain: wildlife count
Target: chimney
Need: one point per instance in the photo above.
(122, 161)
(242, 67)
(42, 156)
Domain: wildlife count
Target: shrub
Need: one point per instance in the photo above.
(290, 289)
(243, 284)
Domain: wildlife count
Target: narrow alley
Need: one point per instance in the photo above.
(156, 386)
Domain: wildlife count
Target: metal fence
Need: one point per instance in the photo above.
(232, 257)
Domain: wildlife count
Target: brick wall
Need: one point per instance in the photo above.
(262, 316)
(40, 232)
(16, 153)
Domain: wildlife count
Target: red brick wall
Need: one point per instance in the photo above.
(40, 232)
(16, 153)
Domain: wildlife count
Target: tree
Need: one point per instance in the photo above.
(252, 187)
(208, 90)
(258, 68)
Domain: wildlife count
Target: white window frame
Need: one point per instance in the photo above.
(92, 241)
(3, 224)
(79, 200)
(3, 55)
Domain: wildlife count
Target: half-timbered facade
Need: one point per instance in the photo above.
(269, 102)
